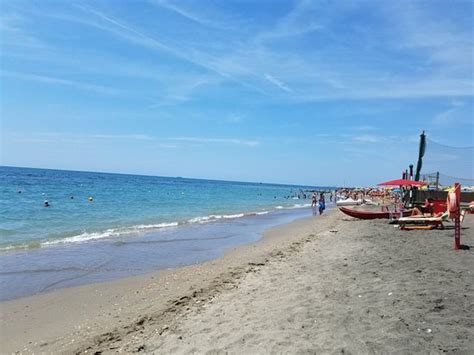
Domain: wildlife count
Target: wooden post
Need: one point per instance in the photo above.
(457, 220)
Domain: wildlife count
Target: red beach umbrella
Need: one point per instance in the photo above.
(402, 182)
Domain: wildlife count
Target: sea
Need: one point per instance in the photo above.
(102, 226)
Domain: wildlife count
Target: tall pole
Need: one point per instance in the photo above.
(457, 218)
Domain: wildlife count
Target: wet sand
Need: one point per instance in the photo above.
(317, 285)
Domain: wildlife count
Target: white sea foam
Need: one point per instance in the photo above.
(204, 219)
(301, 205)
(109, 233)
(229, 216)
(141, 228)
(156, 226)
(84, 237)
(296, 205)
(214, 217)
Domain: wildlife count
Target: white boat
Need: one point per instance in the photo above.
(349, 202)
(370, 202)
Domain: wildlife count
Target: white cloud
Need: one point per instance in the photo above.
(277, 82)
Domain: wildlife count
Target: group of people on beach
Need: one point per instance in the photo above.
(321, 203)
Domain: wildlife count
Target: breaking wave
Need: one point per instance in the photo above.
(141, 228)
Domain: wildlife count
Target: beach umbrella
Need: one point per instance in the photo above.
(402, 182)
(421, 153)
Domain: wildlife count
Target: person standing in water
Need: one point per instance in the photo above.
(322, 204)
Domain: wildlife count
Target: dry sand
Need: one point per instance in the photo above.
(319, 285)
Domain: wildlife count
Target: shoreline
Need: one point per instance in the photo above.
(91, 308)
(316, 284)
(36, 271)
(133, 230)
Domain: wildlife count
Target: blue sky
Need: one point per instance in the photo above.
(313, 92)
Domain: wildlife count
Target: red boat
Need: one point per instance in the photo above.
(372, 215)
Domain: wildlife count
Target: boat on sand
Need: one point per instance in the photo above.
(372, 214)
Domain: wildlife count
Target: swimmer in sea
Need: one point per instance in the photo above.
(46, 203)
(322, 204)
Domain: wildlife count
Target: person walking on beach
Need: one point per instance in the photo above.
(322, 204)
(314, 200)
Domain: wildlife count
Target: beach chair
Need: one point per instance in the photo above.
(422, 223)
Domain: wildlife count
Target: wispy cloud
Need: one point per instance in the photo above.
(234, 118)
(13, 34)
(140, 137)
(165, 142)
(365, 128)
(190, 15)
(298, 21)
(277, 82)
(457, 112)
(226, 141)
(366, 138)
(190, 54)
(357, 71)
(182, 91)
(442, 40)
(63, 82)
(46, 138)
(67, 137)
(445, 117)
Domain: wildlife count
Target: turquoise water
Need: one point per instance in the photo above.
(133, 225)
(122, 204)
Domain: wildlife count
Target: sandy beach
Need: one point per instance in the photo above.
(329, 284)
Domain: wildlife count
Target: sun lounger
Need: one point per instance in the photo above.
(421, 222)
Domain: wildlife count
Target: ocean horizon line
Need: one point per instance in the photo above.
(173, 177)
